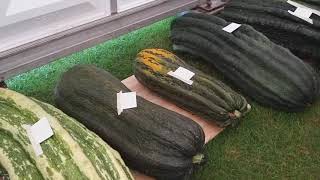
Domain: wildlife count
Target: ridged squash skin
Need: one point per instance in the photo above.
(264, 71)
(73, 152)
(151, 139)
(314, 3)
(207, 96)
(271, 17)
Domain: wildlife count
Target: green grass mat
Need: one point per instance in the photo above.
(266, 145)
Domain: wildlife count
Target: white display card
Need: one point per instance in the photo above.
(303, 12)
(126, 101)
(183, 74)
(38, 133)
(231, 27)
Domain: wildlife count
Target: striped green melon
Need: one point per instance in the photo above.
(73, 152)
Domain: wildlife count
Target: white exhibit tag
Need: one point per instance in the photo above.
(126, 101)
(303, 12)
(38, 133)
(183, 74)
(231, 27)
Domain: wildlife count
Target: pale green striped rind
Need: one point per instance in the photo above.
(103, 157)
(56, 162)
(73, 153)
(16, 160)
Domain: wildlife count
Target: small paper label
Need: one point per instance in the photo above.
(38, 133)
(183, 74)
(303, 12)
(41, 130)
(231, 27)
(126, 101)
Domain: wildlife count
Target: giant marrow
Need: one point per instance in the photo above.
(272, 18)
(73, 152)
(264, 71)
(207, 96)
(151, 139)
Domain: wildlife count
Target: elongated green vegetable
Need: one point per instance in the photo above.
(264, 71)
(150, 138)
(273, 20)
(207, 96)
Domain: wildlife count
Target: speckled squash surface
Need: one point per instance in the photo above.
(73, 152)
(207, 96)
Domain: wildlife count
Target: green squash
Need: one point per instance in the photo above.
(151, 139)
(264, 71)
(73, 152)
(272, 18)
(207, 96)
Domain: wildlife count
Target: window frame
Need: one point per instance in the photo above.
(42, 51)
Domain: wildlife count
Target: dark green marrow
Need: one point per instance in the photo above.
(264, 71)
(150, 139)
(273, 20)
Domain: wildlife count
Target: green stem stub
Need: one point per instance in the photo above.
(235, 115)
(198, 159)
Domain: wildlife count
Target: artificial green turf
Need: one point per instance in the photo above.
(266, 145)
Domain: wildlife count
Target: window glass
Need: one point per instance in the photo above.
(124, 5)
(23, 21)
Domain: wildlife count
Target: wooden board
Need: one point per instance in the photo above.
(210, 129)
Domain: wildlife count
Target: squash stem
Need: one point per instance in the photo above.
(237, 114)
(198, 159)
